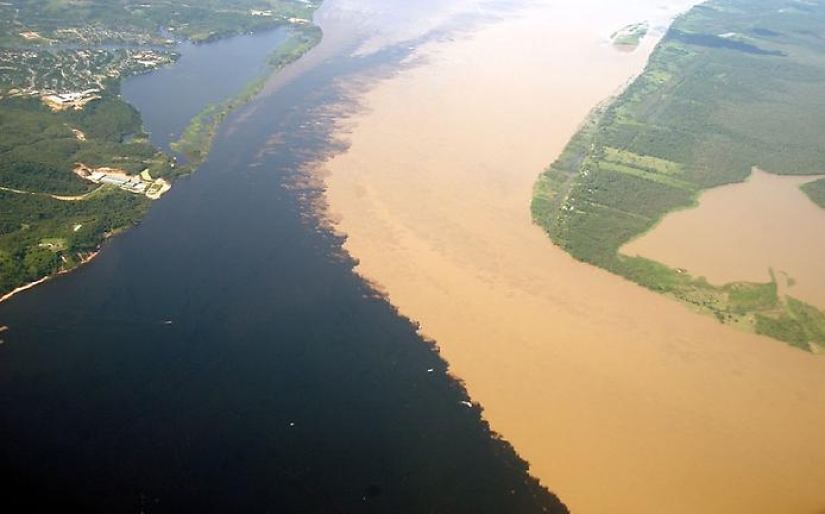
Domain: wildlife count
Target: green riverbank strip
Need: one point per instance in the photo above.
(53, 214)
(816, 192)
(734, 84)
(196, 140)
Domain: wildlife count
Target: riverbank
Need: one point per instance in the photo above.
(316, 396)
(745, 233)
(118, 150)
(196, 140)
(621, 400)
(84, 259)
(682, 129)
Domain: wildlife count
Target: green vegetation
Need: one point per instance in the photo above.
(196, 140)
(816, 192)
(43, 70)
(800, 325)
(32, 221)
(734, 84)
(137, 21)
(41, 234)
(33, 63)
(52, 219)
(631, 35)
(38, 148)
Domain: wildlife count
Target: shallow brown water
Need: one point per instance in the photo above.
(622, 400)
(740, 231)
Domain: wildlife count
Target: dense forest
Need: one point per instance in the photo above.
(38, 148)
(42, 229)
(734, 84)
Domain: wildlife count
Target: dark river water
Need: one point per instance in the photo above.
(205, 74)
(222, 356)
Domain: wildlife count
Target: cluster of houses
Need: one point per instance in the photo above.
(138, 61)
(150, 59)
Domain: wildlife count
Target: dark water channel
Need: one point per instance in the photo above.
(223, 357)
(205, 74)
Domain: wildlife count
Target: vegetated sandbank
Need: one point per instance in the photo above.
(621, 400)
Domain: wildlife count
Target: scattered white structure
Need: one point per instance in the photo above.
(61, 101)
(138, 184)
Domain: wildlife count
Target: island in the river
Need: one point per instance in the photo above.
(734, 85)
(76, 165)
(630, 36)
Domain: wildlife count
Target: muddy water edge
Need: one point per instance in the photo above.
(741, 232)
(222, 356)
(622, 400)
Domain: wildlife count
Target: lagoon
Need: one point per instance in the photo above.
(747, 232)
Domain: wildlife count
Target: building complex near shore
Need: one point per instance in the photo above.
(77, 100)
(138, 184)
(129, 183)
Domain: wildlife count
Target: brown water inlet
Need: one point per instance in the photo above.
(740, 232)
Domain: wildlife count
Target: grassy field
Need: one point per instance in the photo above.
(734, 84)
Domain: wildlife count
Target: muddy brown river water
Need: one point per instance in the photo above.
(740, 232)
(621, 400)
